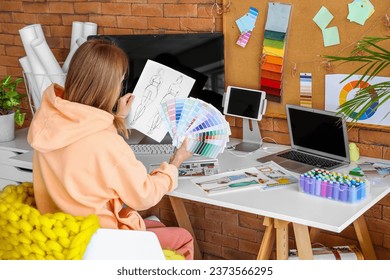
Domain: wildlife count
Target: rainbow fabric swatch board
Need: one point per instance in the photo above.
(274, 49)
(202, 124)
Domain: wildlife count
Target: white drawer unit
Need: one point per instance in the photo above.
(4, 183)
(11, 172)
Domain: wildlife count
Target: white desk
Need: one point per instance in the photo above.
(284, 205)
(279, 206)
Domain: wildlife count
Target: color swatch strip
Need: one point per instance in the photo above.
(274, 46)
(246, 24)
(202, 124)
(306, 90)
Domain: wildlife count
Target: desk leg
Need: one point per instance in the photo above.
(281, 239)
(364, 238)
(314, 233)
(302, 238)
(268, 242)
(184, 222)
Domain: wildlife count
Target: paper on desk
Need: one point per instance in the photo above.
(266, 176)
(231, 181)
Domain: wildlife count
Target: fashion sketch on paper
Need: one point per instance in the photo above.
(173, 91)
(150, 93)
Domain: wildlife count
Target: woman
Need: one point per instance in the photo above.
(82, 166)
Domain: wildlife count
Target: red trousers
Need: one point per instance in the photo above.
(173, 238)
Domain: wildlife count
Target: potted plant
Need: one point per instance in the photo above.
(372, 59)
(10, 113)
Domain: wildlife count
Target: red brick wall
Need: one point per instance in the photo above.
(222, 233)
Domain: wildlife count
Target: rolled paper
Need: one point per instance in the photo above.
(28, 34)
(39, 31)
(89, 28)
(29, 80)
(77, 32)
(78, 43)
(48, 60)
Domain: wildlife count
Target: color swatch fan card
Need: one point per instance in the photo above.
(202, 124)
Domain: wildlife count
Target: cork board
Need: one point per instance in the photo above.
(304, 46)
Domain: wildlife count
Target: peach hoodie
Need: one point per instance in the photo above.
(82, 166)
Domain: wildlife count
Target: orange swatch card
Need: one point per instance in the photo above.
(271, 67)
(273, 59)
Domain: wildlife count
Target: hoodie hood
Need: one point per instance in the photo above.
(59, 122)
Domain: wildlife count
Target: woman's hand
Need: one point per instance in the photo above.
(124, 105)
(180, 155)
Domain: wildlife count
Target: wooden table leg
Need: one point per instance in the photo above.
(314, 233)
(281, 239)
(268, 242)
(364, 238)
(302, 238)
(184, 222)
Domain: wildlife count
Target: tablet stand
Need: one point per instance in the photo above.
(251, 138)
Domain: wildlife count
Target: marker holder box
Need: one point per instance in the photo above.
(335, 186)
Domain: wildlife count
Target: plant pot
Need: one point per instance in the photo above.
(7, 127)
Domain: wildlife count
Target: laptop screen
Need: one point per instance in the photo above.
(316, 131)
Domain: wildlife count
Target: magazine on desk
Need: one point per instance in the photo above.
(266, 176)
(381, 169)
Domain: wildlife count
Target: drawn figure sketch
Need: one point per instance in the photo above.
(156, 84)
(173, 90)
(150, 94)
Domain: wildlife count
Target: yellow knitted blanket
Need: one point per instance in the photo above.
(27, 234)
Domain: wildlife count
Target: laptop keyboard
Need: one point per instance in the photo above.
(152, 149)
(309, 159)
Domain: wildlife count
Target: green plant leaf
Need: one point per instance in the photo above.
(19, 117)
(375, 60)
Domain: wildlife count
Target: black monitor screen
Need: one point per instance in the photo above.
(244, 103)
(198, 55)
(318, 131)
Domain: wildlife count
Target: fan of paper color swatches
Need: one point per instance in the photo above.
(202, 124)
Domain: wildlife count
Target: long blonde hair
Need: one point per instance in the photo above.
(95, 77)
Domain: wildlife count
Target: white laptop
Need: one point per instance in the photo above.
(318, 139)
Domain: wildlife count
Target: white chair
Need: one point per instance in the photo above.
(115, 244)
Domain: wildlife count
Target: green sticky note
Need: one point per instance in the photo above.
(360, 11)
(323, 18)
(331, 36)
